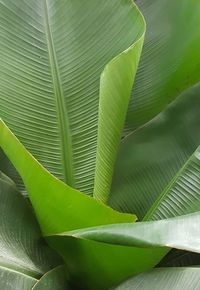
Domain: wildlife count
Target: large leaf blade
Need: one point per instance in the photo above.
(52, 56)
(150, 157)
(181, 233)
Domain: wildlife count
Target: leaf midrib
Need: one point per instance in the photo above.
(63, 120)
(20, 269)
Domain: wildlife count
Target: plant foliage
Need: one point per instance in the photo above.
(100, 120)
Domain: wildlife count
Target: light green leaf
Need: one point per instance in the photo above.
(52, 56)
(165, 279)
(150, 157)
(170, 61)
(93, 265)
(58, 207)
(55, 279)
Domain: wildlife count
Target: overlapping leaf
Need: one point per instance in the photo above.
(164, 278)
(61, 208)
(154, 239)
(58, 207)
(138, 247)
(96, 265)
(150, 157)
(181, 232)
(24, 256)
(170, 61)
(55, 279)
(52, 56)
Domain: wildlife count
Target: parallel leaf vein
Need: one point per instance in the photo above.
(63, 120)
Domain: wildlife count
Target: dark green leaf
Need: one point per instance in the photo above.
(55, 279)
(182, 195)
(178, 258)
(165, 279)
(170, 60)
(24, 255)
(150, 157)
(21, 246)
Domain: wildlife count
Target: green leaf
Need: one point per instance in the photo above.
(170, 61)
(8, 169)
(52, 56)
(182, 194)
(139, 247)
(24, 256)
(115, 88)
(12, 280)
(55, 279)
(181, 233)
(165, 279)
(21, 247)
(151, 156)
(58, 207)
(178, 258)
(93, 265)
